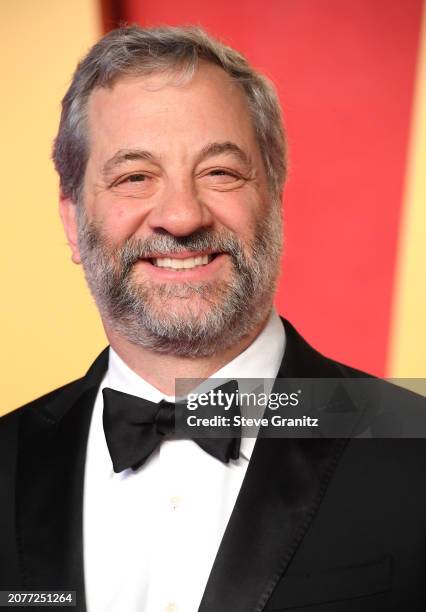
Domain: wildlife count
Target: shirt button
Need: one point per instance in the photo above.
(171, 607)
(175, 502)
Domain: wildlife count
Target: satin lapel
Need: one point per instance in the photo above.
(284, 484)
(51, 460)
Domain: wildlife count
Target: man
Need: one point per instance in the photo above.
(171, 159)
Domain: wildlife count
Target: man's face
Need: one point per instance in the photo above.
(178, 237)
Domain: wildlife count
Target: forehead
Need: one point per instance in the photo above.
(163, 110)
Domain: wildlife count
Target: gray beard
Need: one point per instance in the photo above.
(141, 312)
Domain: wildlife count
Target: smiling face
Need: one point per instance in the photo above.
(179, 239)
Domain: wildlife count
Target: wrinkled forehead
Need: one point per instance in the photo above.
(169, 107)
(203, 81)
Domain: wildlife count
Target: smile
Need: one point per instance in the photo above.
(184, 266)
(186, 263)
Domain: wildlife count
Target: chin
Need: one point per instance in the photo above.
(189, 308)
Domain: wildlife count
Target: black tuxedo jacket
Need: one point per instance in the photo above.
(319, 524)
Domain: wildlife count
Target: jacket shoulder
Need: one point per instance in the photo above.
(52, 404)
(304, 361)
(57, 396)
(53, 395)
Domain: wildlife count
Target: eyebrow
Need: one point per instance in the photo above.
(217, 148)
(210, 150)
(124, 155)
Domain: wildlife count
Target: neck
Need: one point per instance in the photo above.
(161, 370)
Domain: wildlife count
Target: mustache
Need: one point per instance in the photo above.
(160, 243)
(164, 244)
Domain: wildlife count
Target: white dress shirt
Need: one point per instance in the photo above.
(151, 536)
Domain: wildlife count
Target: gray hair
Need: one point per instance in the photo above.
(138, 51)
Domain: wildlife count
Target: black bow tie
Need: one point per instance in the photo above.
(134, 427)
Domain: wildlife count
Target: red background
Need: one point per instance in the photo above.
(345, 73)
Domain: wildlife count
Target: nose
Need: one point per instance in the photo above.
(180, 211)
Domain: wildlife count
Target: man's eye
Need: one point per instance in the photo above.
(135, 178)
(220, 172)
(222, 179)
(131, 179)
(135, 185)
(222, 176)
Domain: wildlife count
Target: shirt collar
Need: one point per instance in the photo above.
(261, 359)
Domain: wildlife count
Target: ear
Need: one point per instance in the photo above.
(68, 212)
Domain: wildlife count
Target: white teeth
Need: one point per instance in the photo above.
(182, 264)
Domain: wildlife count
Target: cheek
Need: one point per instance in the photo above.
(240, 215)
(117, 219)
